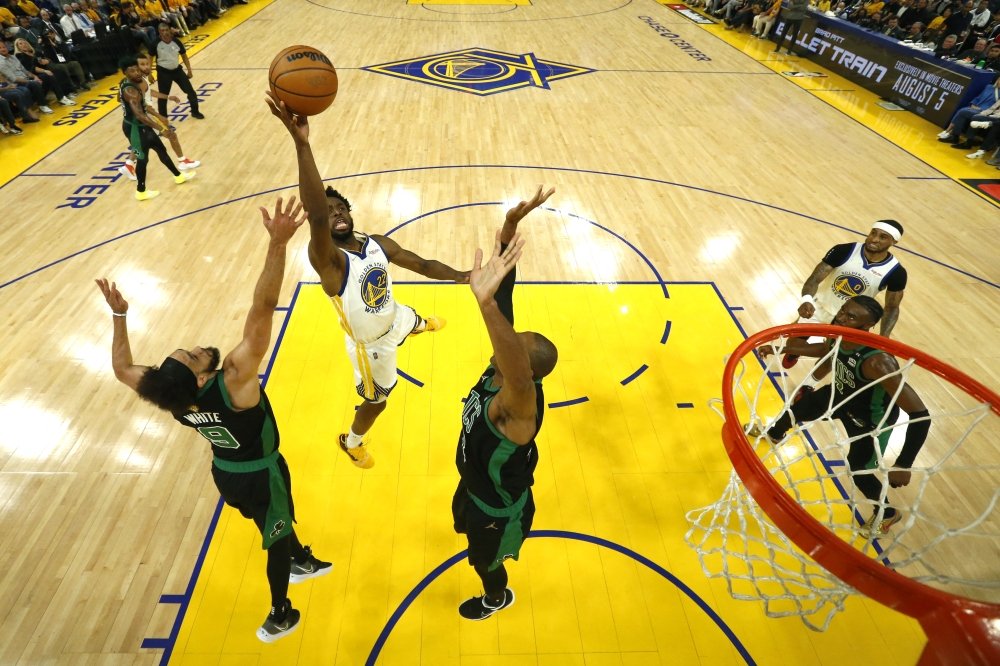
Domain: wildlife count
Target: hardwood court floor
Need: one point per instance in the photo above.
(712, 170)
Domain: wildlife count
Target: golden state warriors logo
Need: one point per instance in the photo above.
(480, 71)
(374, 288)
(848, 286)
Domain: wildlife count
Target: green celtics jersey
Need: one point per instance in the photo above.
(495, 470)
(126, 107)
(237, 436)
(869, 400)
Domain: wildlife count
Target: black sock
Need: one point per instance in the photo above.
(494, 584)
(279, 567)
(299, 553)
(279, 614)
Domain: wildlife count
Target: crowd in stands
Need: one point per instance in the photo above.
(966, 31)
(50, 53)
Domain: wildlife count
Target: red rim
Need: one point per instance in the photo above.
(959, 630)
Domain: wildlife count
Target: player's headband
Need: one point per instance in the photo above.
(889, 229)
(174, 369)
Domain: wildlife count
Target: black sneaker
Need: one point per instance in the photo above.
(272, 630)
(198, 115)
(478, 608)
(311, 568)
(15, 130)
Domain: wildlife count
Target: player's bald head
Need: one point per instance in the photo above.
(542, 353)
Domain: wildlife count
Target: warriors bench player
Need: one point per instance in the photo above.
(354, 272)
(854, 269)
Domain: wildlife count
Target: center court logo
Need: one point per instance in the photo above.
(848, 286)
(374, 287)
(480, 71)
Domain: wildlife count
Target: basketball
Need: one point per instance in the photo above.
(304, 79)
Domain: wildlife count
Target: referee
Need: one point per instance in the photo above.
(169, 53)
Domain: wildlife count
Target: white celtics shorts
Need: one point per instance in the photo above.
(375, 363)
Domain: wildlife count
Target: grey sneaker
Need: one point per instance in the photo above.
(311, 568)
(272, 630)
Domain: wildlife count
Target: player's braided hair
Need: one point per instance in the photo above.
(868, 303)
(332, 193)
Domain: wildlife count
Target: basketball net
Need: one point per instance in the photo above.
(796, 496)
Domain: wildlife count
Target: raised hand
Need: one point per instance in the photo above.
(114, 298)
(285, 222)
(297, 126)
(518, 212)
(484, 280)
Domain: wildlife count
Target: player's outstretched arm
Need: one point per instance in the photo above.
(242, 364)
(796, 347)
(891, 313)
(429, 268)
(513, 409)
(809, 289)
(323, 254)
(881, 366)
(520, 211)
(121, 352)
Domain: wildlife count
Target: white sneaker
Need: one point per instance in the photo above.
(976, 155)
(66, 101)
(128, 171)
(44, 109)
(944, 135)
(3, 129)
(980, 124)
(186, 164)
(71, 95)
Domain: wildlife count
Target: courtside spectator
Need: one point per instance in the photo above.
(143, 35)
(7, 18)
(27, 33)
(13, 72)
(892, 29)
(44, 22)
(59, 85)
(8, 124)
(960, 121)
(72, 22)
(975, 54)
(980, 121)
(763, 22)
(958, 22)
(59, 53)
(20, 97)
(993, 58)
(948, 48)
(28, 7)
(916, 32)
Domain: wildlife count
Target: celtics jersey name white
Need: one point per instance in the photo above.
(365, 304)
(854, 276)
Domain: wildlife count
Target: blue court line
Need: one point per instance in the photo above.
(574, 536)
(735, 308)
(685, 405)
(631, 378)
(529, 20)
(567, 403)
(168, 644)
(44, 175)
(493, 166)
(666, 333)
(412, 380)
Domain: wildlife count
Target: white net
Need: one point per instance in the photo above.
(949, 532)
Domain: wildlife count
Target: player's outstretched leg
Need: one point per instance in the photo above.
(287, 561)
(352, 442)
(429, 325)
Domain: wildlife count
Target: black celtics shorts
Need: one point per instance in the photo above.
(492, 538)
(250, 492)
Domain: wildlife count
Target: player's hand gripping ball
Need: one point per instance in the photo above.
(304, 79)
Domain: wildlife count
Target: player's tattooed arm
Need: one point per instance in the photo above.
(891, 313)
(243, 363)
(822, 270)
(513, 409)
(430, 268)
(324, 256)
(134, 99)
(881, 366)
(121, 352)
(520, 211)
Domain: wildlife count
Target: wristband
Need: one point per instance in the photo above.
(806, 299)
(118, 314)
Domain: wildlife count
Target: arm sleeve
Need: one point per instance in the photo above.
(838, 254)
(916, 435)
(896, 280)
(505, 292)
(181, 46)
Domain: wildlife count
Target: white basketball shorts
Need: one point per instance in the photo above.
(375, 363)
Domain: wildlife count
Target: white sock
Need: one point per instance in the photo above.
(353, 441)
(181, 158)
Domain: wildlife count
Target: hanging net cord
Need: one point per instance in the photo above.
(735, 539)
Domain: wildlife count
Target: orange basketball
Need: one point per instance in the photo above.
(304, 79)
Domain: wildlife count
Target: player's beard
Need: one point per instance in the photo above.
(345, 235)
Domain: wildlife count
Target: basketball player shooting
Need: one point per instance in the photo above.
(230, 409)
(354, 272)
(849, 270)
(496, 456)
(862, 394)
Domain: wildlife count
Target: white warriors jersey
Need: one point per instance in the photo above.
(854, 277)
(365, 304)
